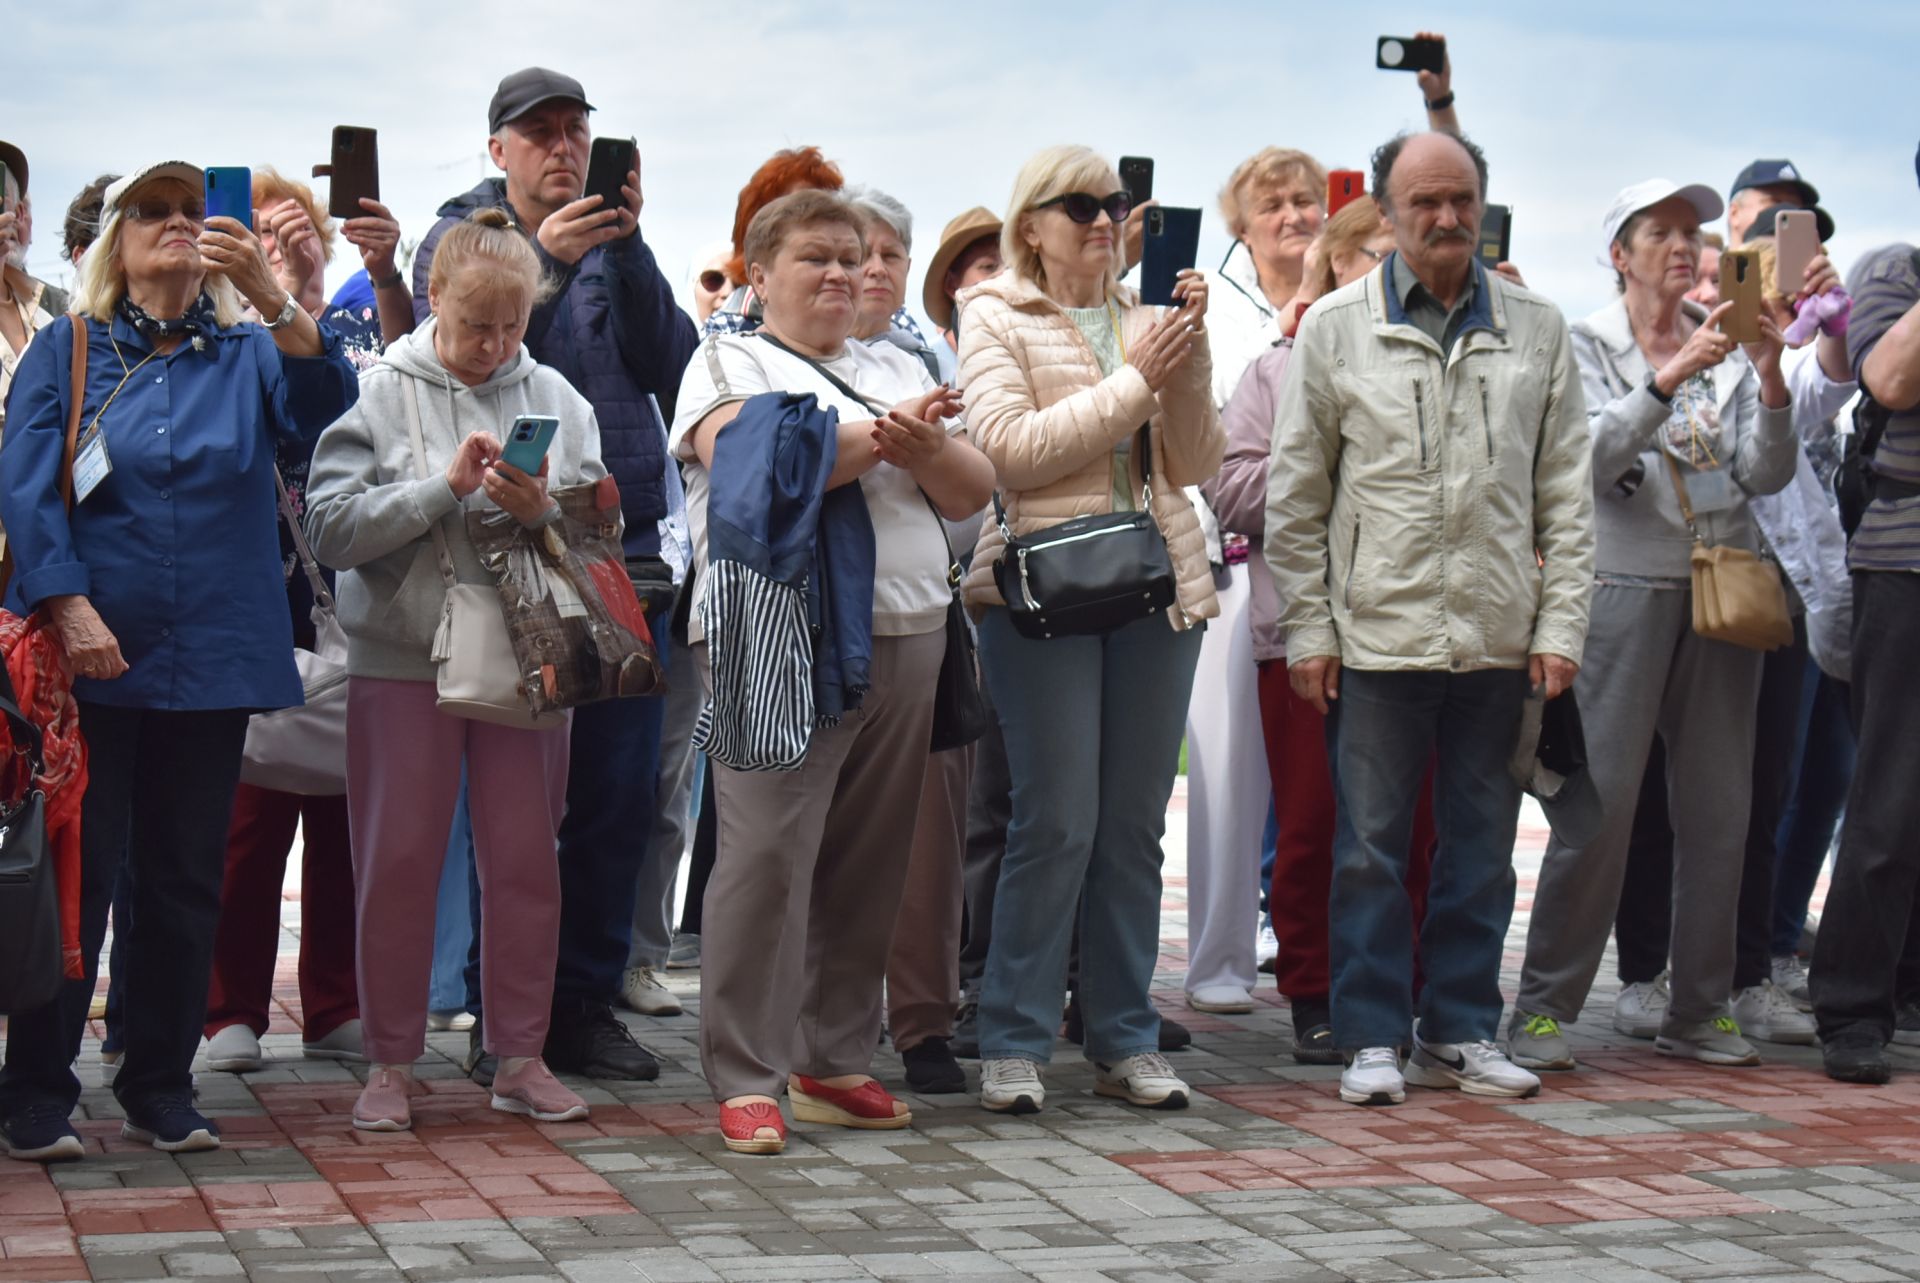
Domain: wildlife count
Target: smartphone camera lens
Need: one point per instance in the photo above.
(1392, 52)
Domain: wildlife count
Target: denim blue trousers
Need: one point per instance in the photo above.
(1092, 728)
(1381, 733)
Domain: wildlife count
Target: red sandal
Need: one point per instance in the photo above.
(868, 1106)
(741, 1125)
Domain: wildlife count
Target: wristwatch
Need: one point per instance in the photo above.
(1441, 103)
(287, 313)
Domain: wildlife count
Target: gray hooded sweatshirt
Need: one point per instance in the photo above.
(370, 512)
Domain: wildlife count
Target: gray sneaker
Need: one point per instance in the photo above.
(1641, 1008)
(1791, 975)
(1535, 1042)
(1711, 1042)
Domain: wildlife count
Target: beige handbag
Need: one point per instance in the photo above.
(1737, 597)
(479, 674)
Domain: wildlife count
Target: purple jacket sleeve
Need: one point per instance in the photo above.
(1238, 492)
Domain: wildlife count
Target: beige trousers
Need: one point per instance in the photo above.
(923, 971)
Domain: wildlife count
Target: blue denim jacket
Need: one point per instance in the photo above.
(178, 547)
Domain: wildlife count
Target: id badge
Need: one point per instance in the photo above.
(91, 465)
(1712, 491)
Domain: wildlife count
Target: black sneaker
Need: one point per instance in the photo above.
(965, 1042)
(587, 1038)
(1174, 1036)
(1856, 1058)
(1313, 1034)
(38, 1132)
(480, 1064)
(169, 1123)
(932, 1070)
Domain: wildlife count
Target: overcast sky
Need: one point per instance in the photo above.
(940, 103)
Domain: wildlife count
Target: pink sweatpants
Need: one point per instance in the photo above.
(403, 780)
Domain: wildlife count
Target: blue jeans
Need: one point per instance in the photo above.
(1382, 732)
(1822, 770)
(1092, 728)
(453, 914)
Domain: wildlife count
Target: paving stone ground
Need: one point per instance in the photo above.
(1635, 1168)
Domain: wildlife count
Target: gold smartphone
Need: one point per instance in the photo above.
(1740, 286)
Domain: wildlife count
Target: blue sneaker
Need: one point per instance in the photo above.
(38, 1132)
(171, 1124)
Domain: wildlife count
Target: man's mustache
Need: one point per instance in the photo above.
(1439, 234)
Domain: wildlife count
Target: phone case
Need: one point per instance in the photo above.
(1404, 53)
(1344, 186)
(1496, 236)
(229, 193)
(528, 440)
(6, 206)
(1136, 175)
(1172, 245)
(354, 170)
(1740, 285)
(612, 160)
(1796, 242)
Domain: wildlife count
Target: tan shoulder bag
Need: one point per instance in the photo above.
(1737, 597)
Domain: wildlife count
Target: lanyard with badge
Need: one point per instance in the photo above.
(91, 463)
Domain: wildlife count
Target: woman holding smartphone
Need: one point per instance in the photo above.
(1063, 368)
(391, 522)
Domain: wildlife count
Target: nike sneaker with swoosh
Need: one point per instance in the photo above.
(1477, 1068)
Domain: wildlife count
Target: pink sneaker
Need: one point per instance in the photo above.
(384, 1104)
(532, 1089)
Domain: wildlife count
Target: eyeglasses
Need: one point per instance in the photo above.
(1373, 254)
(1083, 208)
(712, 280)
(159, 211)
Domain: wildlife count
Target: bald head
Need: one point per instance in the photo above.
(1432, 188)
(1431, 152)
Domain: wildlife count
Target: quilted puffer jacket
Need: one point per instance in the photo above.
(1038, 407)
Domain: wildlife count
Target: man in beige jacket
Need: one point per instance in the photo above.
(1430, 531)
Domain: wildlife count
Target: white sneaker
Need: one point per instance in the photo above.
(1373, 1078)
(1266, 948)
(640, 988)
(1146, 1079)
(1641, 1008)
(1791, 975)
(344, 1043)
(452, 1020)
(1011, 1085)
(233, 1050)
(1477, 1068)
(1225, 1000)
(1767, 1013)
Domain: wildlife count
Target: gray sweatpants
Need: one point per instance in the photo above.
(1646, 673)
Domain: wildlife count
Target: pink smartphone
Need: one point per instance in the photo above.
(1796, 243)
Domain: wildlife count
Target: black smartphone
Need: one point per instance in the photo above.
(1496, 236)
(1172, 245)
(229, 193)
(353, 171)
(607, 169)
(1406, 53)
(1136, 175)
(6, 205)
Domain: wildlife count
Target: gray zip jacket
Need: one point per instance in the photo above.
(370, 513)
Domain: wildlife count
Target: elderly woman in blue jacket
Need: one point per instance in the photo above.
(163, 579)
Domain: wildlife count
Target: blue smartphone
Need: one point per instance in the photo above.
(1171, 246)
(527, 442)
(230, 193)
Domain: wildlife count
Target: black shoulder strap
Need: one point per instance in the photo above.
(1869, 424)
(820, 368)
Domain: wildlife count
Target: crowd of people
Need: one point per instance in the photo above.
(1418, 546)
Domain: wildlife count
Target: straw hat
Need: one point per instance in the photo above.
(954, 239)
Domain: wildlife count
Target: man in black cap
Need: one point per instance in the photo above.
(1762, 184)
(611, 326)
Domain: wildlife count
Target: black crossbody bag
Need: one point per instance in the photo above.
(959, 712)
(1090, 575)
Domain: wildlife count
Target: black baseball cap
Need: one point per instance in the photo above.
(1775, 173)
(16, 162)
(1550, 762)
(1763, 222)
(524, 90)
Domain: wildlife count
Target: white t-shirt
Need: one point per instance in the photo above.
(910, 590)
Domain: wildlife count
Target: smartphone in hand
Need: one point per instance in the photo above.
(1740, 286)
(354, 170)
(607, 169)
(1496, 236)
(1171, 245)
(6, 205)
(528, 441)
(1136, 176)
(229, 193)
(1344, 186)
(1405, 53)
(1796, 243)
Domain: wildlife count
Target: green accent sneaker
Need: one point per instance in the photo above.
(1711, 1042)
(1535, 1042)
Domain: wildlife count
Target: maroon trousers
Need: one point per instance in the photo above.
(1296, 736)
(259, 840)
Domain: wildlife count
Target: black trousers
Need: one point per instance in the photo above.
(159, 800)
(1643, 924)
(1857, 954)
(989, 811)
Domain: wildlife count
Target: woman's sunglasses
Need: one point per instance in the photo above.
(1083, 208)
(159, 211)
(712, 279)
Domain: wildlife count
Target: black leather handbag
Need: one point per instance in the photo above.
(30, 966)
(1088, 576)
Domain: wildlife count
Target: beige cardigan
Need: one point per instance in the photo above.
(1038, 407)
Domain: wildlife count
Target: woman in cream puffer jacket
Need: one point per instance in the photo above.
(1060, 368)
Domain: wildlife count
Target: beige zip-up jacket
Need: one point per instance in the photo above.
(1038, 407)
(1427, 513)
